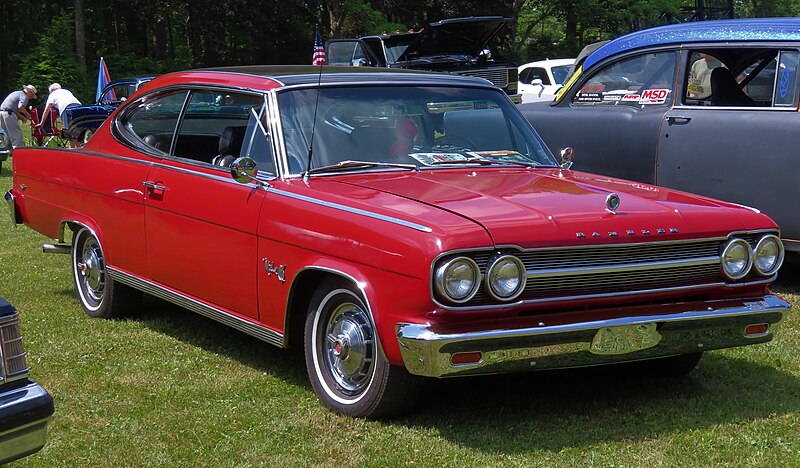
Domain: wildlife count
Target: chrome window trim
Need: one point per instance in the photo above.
(350, 209)
(251, 328)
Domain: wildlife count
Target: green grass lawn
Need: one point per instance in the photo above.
(171, 388)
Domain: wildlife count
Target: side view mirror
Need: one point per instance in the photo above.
(566, 157)
(244, 170)
(359, 62)
(485, 54)
(536, 82)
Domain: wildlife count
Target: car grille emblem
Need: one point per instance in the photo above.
(612, 203)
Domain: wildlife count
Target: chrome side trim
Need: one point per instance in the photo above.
(350, 209)
(589, 270)
(245, 326)
(701, 326)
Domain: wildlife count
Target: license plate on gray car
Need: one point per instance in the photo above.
(625, 339)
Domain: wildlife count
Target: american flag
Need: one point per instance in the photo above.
(319, 51)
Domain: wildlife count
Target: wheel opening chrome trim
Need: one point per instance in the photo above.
(264, 334)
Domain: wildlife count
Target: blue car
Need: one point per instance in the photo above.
(706, 107)
(84, 120)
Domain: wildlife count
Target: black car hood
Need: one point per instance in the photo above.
(456, 36)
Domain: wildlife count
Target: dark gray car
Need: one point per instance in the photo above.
(709, 107)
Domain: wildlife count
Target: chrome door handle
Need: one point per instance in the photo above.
(154, 186)
(674, 119)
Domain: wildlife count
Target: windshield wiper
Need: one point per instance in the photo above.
(355, 165)
(487, 162)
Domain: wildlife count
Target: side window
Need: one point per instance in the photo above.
(698, 83)
(786, 83)
(539, 74)
(213, 126)
(348, 53)
(153, 121)
(257, 141)
(641, 80)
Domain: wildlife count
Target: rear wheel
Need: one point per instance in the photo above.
(99, 295)
(343, 359)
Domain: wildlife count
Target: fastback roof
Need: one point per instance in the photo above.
(291, 75)
(757, 29)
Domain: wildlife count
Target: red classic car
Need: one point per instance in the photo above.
(396, 225)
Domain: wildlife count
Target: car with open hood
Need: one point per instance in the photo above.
(457, 45)
(395, 226)
(707, 107)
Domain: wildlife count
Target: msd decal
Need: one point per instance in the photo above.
(654, 96)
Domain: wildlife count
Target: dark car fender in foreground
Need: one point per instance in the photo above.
(25, 407)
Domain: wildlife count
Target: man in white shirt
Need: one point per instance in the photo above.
(62, 99)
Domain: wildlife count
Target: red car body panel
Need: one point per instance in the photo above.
(214, 240)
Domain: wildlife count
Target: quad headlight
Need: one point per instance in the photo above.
(458, 279)
(768, 255)
(736, 259)
(505, 277)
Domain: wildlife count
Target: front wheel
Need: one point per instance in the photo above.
(99, 295)
(343, 358)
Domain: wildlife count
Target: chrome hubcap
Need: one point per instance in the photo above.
(349, 348)
(91, 268)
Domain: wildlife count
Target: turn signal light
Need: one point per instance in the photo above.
(756, 330)
(466, 358)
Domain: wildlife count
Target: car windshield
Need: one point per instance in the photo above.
(560, 73)
(413, 126)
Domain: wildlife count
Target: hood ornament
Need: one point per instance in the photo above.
(612, 203)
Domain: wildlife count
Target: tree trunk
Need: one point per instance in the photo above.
(80, 38)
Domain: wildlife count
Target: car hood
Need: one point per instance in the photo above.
(543, 207)
(457, 36)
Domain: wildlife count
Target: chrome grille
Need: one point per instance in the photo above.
(12, 352)
(610, 269)
(497, 76)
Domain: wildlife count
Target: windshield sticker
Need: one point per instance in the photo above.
(612, 97)
(631, 97)
(654, 96)
(437, 158)
(589, 97)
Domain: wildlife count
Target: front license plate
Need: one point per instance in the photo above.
(625, 339)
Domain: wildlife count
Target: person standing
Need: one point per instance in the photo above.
(62, 99)
(13, 109)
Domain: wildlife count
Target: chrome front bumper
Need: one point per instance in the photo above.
(718, 325)
(12, 207)
(24, 414)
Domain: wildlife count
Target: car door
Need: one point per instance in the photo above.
(200, 223)
(612, 121)
(744, 154)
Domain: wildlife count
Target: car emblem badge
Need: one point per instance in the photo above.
(612, 203)
(273, 269)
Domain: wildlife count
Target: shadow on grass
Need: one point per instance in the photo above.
(575, 408)
(552, 410)
(207, 334)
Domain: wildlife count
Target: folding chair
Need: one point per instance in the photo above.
(45, 134)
